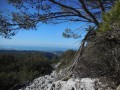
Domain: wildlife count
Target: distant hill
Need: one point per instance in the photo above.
(58, 52)
(48, 55)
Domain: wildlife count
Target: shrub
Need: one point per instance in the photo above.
(17, 70)
(111, 18)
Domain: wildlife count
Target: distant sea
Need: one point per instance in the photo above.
(37, 48)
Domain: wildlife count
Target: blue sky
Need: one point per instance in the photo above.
(46, 35)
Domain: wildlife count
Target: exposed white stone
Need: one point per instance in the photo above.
(50, 82)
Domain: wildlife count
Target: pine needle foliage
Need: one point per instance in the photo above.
(111, 18)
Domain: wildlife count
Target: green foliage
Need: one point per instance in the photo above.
(22, 67)
(66, 59)
(69, 54)
(55, 60)
(111, 18)
(68, 33)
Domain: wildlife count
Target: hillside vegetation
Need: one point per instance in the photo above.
(66, 59)
(18, 68)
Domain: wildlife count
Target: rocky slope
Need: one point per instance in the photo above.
(51, 82)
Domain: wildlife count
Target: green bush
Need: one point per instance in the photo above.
(20, 69)
(111, 18)
(66, 59)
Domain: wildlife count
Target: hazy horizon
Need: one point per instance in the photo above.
(36, 48)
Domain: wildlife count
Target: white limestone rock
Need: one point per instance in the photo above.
(50, 82)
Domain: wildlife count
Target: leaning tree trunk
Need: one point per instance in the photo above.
(70, 71)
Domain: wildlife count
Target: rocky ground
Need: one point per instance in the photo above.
(51, 82)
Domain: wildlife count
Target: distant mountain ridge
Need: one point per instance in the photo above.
(49, 55)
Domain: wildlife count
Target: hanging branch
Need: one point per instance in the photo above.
(71, 8)
(89, 13)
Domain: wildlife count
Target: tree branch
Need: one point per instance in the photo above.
(71, 8)
(89, 13)
(100, 2)
(74, 20)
